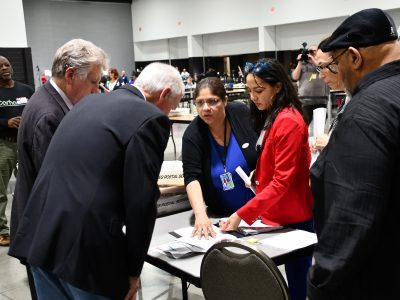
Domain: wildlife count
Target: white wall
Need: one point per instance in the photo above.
(229, 27)
(178, 48)
(231, 42)
(291, 36)
(160, 19)
(13, 34)
(152, 50)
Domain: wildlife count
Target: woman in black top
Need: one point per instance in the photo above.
(214, 144)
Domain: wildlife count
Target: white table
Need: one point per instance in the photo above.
(188, 269)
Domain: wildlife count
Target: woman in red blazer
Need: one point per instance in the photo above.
(282, 172)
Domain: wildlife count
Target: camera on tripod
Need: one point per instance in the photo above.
(304, 53)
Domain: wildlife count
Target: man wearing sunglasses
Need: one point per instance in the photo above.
(327, 69)
(355, 179)
(313, 92)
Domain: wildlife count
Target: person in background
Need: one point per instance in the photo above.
(43, 79)
(211, 73)
(282, 173)
(100, 174)
(113, 82)
(313, 92)
(13, 97)
(355, 180)
(214, 144)
(185, 75)
(76, 70)
(190, 84)
(329, 75)
(124, 78)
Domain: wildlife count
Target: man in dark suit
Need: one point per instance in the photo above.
(355, 180)
(76, 72)
(99, 174)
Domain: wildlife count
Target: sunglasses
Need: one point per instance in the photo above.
(257, 68)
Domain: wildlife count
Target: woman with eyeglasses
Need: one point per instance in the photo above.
(220, 139)
(283, 195)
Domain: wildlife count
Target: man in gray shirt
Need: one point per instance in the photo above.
(313, 91)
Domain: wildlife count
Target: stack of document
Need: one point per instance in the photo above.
(187, 245)
(257, 227)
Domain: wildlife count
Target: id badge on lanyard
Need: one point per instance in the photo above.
(227, 181)
(226, 177)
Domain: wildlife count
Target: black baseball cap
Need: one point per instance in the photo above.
(365, 28)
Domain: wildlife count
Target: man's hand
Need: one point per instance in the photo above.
(321, 141)
(14, 122)
(134, 284)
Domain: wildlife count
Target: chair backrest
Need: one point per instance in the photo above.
(234, 270)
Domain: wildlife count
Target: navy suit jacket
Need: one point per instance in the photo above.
(99, 174)
(39, 121)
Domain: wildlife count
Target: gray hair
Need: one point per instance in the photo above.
(157, 76)
(80, 55)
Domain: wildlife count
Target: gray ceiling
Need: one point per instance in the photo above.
(115, 1)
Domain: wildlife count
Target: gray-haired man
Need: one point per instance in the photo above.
(76, 72)
(71, 231)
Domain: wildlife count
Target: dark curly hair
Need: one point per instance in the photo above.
(271, 71)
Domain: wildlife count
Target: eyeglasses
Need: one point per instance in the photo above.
(211, 102)
(333, 65)
(257, 68)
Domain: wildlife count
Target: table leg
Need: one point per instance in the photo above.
(184, 290)
(173, 141)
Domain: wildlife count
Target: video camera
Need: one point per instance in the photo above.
(304, 53)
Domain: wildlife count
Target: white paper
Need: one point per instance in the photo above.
(187, 238)
(206, 244)
(257, 223)
(291, 240)
(245, 178)
(177, 249)
(319, 117)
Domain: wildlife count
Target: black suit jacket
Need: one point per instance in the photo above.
(99, 174)
(39, 121)
(355, 183)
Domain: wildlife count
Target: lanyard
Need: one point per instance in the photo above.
(222, 157)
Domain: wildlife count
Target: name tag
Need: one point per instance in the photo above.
(227, 182)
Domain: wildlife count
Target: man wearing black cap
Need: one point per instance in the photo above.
(356, 179)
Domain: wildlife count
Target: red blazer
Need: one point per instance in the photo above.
(282, 174)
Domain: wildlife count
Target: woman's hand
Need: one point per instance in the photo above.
(203, 226)
(231, 223)
(251, 180)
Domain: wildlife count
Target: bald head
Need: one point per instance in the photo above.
(6, 72)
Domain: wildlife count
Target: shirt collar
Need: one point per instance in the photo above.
(140, 90)
(62, 94)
